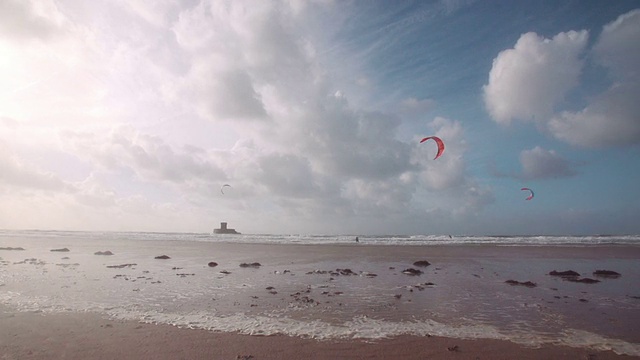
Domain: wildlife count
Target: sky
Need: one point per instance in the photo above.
(131, 115)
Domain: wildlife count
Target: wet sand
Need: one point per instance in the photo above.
(90, 336)
(469, 282)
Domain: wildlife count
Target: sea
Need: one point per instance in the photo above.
(529, 240)
(329, 287)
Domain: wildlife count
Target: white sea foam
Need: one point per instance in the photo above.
(360, 327)
(445, 239)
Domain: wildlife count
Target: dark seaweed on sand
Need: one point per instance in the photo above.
(564, 273)
(583, 280)
(607, 274)
(253, 265)
(103, 253)
(523, 283)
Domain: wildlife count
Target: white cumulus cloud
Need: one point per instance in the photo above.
(539, 163)
(529, 80)
(611, 119)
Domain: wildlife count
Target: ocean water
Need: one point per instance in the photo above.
(299, 291)
(532, 240)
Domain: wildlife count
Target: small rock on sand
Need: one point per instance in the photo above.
(564, 273)
(61, 250)
(411, 271)
(212, 264)
(422, 263)
(524, 283)
(103, 253)
(11, 248)
(607, 274)
(346, 272)
(253, 265)
(583, 280)
(120, 266)
(163, 257)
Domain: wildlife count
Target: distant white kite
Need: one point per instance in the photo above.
(222, 188)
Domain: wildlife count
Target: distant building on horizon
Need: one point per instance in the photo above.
(224, 230)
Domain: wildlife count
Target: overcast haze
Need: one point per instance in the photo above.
(131, 115)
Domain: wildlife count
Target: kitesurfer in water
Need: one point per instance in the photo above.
(357, 240)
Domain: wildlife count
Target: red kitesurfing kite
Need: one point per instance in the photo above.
(529, 190)
(438, 141)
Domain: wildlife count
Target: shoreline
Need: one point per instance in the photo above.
(29, 335)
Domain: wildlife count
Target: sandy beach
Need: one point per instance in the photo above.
(165, 300)
(89, 336)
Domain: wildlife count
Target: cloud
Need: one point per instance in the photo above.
(94, 193)
(611, 119)
(289, 176)
(528, 81)
(444, 186)
(253, 62)
(476, 199)
(358, 145)
(9, 123)
(158, 13)
(190, 81)
(56, 81)
(239, 53)
(451, 6)
(414, 106)
(617, 47)
(225, 95)
(539, 163)
(447, 171)
(149, 157)
(29, 19)
(313, 153)
(19, 176)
